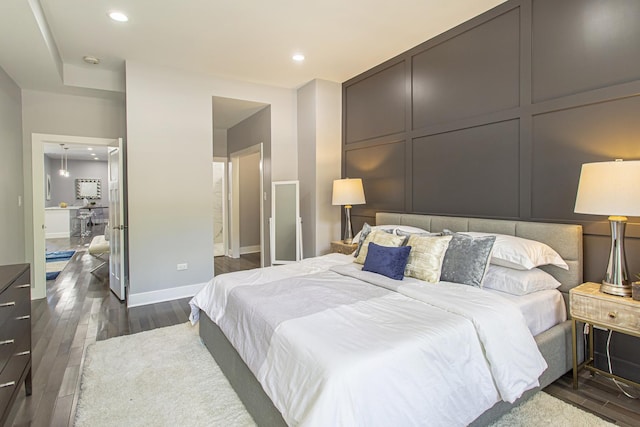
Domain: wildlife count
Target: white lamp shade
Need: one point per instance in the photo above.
(609, 188)
(348, 191)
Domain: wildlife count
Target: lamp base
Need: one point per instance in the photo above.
(616, 277)
(613, 289)
(348, 229)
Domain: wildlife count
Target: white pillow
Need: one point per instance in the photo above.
(521, 254)
(518, 282)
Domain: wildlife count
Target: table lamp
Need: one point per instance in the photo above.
(611, 188)
(348, 192)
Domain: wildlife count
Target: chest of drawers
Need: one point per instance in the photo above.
(15, 334)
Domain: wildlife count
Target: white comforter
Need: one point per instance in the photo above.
(361, 350)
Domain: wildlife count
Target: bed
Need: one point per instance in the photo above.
(334, 398)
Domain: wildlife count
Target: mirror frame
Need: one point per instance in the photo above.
(81, 182)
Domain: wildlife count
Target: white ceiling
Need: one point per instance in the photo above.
(76, 152)
(42, 42)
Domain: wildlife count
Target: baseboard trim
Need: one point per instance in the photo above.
(162, 295)
(249, 249)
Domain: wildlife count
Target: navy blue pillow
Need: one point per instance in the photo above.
(388, 261)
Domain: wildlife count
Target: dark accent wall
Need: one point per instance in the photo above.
(495, 117)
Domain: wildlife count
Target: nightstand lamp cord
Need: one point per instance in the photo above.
(611, 371)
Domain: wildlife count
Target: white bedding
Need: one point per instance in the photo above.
(382, 352)
(541, 310)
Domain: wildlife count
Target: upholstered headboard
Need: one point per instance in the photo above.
(566, 239)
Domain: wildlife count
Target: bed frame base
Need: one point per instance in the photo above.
(246, 386)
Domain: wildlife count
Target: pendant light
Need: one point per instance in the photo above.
(64, 170)
(66, 162)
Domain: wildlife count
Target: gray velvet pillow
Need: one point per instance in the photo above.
(467, 259)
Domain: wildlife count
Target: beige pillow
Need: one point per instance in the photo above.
(381, 238)
(425, 259)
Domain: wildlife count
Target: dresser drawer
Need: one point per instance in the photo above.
(10, 379)
(15, 337)
(16, 296)
(605, 312)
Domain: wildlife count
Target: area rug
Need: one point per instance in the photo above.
(56, 262)
(166, 377)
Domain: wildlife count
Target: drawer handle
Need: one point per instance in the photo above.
(613, 314)
(23, 353)
(9, 384)
(5, 342)
(8, 304)
(23, 317)
(23, 286)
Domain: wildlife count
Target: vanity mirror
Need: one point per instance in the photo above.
(88, 188)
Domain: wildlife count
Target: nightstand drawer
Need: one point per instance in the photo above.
(605, 313)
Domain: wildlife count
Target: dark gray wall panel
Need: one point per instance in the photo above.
(470, 172)
(376, 106)
(381, 168)
(580, 45)
(474, 73)
(564, 140)
(468, 153)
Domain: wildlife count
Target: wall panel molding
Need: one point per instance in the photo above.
(488, 141)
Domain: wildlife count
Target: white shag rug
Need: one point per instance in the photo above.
(166, 377)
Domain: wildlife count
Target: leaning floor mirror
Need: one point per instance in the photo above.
(285, 223)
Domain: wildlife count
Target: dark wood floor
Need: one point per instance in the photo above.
(225, 264)
(80, 309)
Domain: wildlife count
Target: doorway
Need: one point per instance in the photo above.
(39, 192)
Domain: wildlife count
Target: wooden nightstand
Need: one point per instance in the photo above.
(339, 247)
(594, 308)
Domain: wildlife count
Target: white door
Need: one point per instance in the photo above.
(117, 222)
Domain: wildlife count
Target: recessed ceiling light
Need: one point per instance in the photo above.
(91, 60)
(90, 148)
(298, 57)
(118, 16)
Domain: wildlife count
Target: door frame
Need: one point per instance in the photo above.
(234, 200)
(225, 200)
(38, 268)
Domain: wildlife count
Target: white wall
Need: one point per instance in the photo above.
(169, 136)
(12, 243)
(319, 163)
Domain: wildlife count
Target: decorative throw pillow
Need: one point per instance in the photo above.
(389, 228)
(467, 259)
(360, 237)
(425, 259)
(381, 238)
(388, 261)
(518, 282)
(521, 254)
